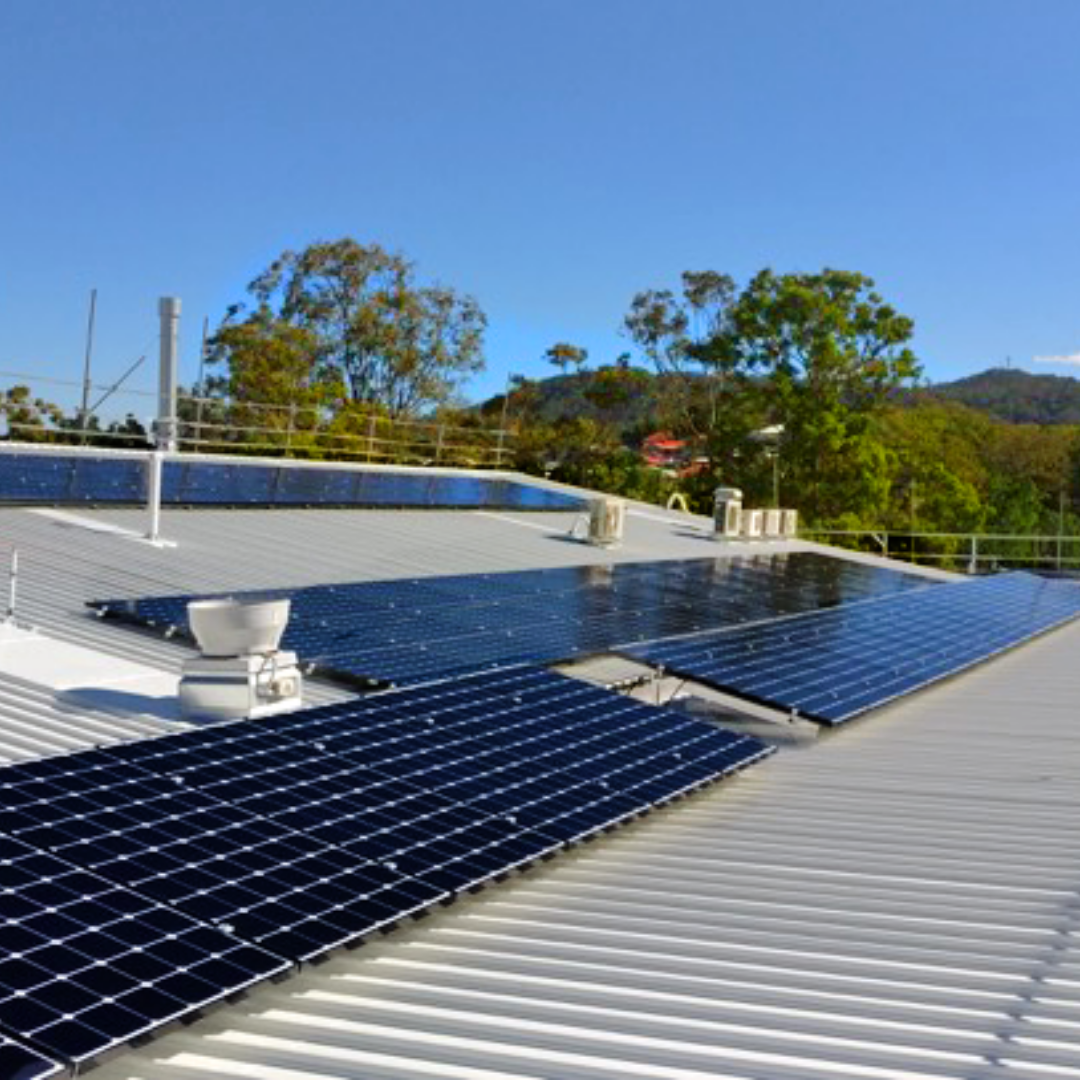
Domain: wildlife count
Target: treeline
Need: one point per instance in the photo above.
(799, 386)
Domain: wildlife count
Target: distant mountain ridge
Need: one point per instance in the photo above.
(1008, 394)
(1016, 396)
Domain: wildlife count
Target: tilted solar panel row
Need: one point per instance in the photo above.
(55, 478)
(832, 665)
(141, 881)
(413, 631)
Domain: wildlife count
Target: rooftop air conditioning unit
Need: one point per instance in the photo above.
(752, 524)
(789, 524)
(241, 672)
(727, 512)
(773, 520)
(607, 521)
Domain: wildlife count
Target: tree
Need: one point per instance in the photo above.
(818, 354)
(27, 418)
(676, 334)
(351, 321)
(563, 356)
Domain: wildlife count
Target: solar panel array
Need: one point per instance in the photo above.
(413, 631)
(141, 881)
(830, 666)
(56, 478)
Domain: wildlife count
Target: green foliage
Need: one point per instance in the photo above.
(564, 355)
(346, 322)
(1018, 397)
(28, 418)
(816, 356)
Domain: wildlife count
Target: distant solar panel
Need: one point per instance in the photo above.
(412, 631)
(29, 478)
(833, 665)
(86, 965)
(83, 479)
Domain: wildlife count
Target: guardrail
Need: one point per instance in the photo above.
(973, 552)
(221, 426)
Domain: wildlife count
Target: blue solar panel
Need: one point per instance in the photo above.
(305, 832)
(85, 964)
(143, 880)
(830, 666)
(52, 478)
(413, 631)
(80, 478)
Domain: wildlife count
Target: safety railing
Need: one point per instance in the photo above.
(971, 552)
(221, 426)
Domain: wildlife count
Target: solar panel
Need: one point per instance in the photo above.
(303, 832)
(86, 965)
(52, 478)
(833, 665)
(413, 631)
(79, 478)
(18, 1062)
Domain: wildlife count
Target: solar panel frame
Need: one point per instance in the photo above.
(19, 1062)
(416, 630)
(831, 666)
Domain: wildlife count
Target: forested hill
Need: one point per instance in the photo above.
(1016, 396)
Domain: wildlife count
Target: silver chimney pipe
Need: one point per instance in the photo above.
(169, 310)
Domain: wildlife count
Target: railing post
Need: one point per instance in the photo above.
(973, 557)
(290, 429)
(439, 443)
(154, 463)
(371, 437)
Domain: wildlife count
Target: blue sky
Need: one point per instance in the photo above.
(550, 158)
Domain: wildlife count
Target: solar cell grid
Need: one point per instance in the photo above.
(832, 665)
(141, 881)
(85, 964)
(422, 629)
(301, 835)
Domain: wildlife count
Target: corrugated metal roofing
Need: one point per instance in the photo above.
(899, 900)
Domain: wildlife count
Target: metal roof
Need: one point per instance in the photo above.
(899, 900)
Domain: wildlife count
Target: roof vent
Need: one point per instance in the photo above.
(241, 673)
(238, 627)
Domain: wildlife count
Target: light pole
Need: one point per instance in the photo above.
(769, 437)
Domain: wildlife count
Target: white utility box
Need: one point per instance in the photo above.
(752, 524)
(727, 512)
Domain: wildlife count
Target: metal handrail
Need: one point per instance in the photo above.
(973, 549)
